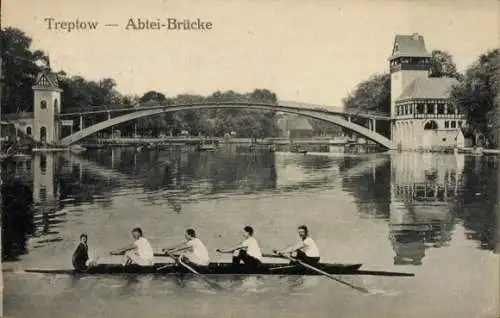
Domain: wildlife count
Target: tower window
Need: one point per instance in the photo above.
(446, 124)
(56, 104)
(28, 130)
(43, 104)
(43, 134)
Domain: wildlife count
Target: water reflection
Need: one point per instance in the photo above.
(421, 196)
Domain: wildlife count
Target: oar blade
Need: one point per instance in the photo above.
(361, 289)
(192, 270)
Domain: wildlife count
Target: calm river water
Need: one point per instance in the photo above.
(430, 214)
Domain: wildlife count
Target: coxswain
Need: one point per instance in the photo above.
(305, 250)
(192, 250)
(80, 258)
(139, 253)
(248, 251)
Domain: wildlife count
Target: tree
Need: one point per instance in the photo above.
(442, 65)
(20, 66)
(373, 94)
(152, 96)
(477, 95)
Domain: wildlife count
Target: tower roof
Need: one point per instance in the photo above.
(428, 87)
(409, 46)
(47, 79)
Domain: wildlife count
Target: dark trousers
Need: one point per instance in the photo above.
(246, 259)
(301, 256)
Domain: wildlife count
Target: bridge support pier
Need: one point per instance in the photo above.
(372, 125)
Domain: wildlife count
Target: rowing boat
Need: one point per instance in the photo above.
(212, 268)
(280, 269)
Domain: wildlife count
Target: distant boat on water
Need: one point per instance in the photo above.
(205, 148)
(302, 151)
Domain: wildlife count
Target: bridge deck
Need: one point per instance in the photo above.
(281, 104)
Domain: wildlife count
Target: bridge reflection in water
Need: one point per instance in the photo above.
(421, 196)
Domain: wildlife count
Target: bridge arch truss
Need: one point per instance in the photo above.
(324, 115)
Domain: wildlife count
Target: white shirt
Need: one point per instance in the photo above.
(309, 247)
(199, 253)
(253, 248)
(144, 249)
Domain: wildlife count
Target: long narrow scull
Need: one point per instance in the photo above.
(279, 269)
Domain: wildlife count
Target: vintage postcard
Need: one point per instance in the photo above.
(267, 158)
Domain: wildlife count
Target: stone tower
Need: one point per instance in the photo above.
(47, 104)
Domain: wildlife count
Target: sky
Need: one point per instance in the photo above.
(313, 51)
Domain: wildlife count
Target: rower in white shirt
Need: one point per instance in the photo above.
(305, 250)
(195, 251)
(247, 251)
(139, 253)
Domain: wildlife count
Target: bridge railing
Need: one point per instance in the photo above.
(280, 104)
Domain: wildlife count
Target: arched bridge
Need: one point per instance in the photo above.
(334, 117)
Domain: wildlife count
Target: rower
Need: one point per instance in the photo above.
(139, 253)
(80, 258)
(305, 250)
(247, 251)
(195, 251)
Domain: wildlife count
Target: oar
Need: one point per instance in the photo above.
(192, 270)
(263, 254)
(272, 256)
(317, 270)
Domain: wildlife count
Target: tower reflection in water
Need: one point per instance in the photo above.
(423, 189)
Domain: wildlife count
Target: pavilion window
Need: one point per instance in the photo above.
(459, 124)
(453, 124)
(420, 108)
(446, 124)
(430, 108)
(440, 109)
(451, 109)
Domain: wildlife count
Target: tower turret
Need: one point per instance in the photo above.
(47, 105)
(408, 61)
